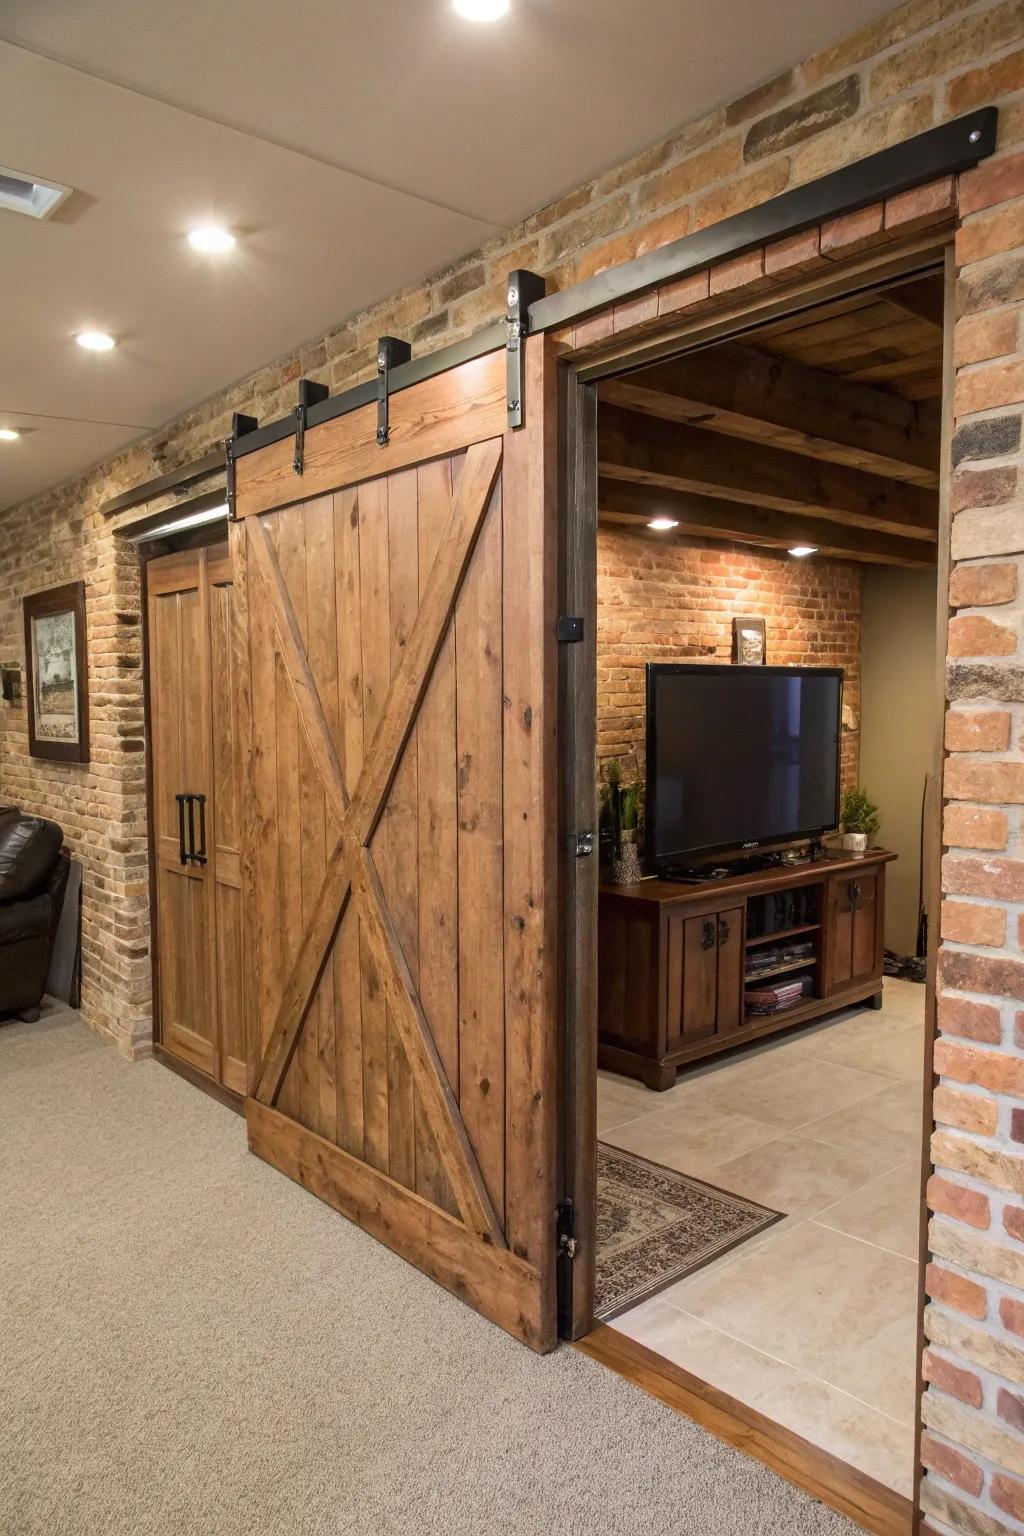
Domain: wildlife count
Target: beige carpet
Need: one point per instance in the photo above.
(190, 1345)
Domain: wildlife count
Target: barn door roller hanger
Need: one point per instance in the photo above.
(947, 149)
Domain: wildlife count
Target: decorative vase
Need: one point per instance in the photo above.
(855, 842)
(626, 868)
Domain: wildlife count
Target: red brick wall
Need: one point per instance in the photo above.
(675, 599)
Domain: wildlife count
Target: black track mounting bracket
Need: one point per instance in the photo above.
(241, 426)
(390, 353)
(309, 394)
(521, 290)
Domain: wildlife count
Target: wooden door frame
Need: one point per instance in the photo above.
(888, 1513)
(209, 536)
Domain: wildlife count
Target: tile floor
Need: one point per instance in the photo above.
(813, 1322)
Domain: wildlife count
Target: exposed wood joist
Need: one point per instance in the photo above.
(743, 393)
(709, 517)
(923, 299)
(648, 451)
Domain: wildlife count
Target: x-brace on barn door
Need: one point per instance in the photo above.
(399, 625)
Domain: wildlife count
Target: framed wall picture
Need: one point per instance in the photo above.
(57, 674)
(748, 642)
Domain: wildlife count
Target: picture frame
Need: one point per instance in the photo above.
(57, 674)
(10, 682)
(749, 642)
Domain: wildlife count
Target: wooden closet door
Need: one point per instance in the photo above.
(399, 863)
(179, 693)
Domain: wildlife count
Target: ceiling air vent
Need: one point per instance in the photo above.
(21, 193)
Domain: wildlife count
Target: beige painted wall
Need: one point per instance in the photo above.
(898, 727)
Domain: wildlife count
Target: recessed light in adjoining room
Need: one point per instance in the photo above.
(481, 10)
(801, 551)
(96, 341)
(9, 435)
(211, 239)
(662, 524)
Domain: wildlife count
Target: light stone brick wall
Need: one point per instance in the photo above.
(925, 62)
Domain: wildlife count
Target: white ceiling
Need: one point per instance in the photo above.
(354, 146)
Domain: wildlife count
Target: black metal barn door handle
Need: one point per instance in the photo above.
(182, 855)
(199, 855)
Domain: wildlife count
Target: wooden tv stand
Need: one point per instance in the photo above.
(673, 959)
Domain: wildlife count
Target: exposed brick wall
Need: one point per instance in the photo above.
(672, 599)
(925, 62)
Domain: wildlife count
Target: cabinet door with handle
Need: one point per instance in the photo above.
(705, 975)
(854, 929)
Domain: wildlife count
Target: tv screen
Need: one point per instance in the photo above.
(739, 756)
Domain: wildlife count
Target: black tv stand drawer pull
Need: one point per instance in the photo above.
(708, 938)
(723, 931)
(854, 889)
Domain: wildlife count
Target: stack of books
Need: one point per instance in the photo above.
(773, 999)
(761, 960)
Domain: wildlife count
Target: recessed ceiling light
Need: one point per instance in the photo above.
(662, 524)
(95, 341)
(211, 239)
(481, 10)
(8, 435)
(802, 550)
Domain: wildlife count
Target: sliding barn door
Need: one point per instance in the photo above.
(400, 866)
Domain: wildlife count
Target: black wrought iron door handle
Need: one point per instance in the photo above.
(723, 931)
(708, 939)
(182, 855)
(199, 854)
(854, 889)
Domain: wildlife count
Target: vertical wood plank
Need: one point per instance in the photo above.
(290, 549)
(438, 841)
(530, 832)
(242, 688)
(347, 989)
(399, 829)
(478, 666)
(263, 817)
(322, 654)
(375, 628)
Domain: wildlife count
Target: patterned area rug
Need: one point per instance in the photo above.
(655, 1226)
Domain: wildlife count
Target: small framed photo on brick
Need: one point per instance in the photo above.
(748, 642)
(57, 674)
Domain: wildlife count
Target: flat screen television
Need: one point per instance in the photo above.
(738, 757)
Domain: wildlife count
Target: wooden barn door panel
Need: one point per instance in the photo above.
(401, 648)
(224, 831)
(193, 694)
(179, 715)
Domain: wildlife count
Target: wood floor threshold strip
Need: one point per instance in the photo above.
(868, 1503)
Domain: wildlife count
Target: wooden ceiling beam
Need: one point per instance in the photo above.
(643, 449)
(737, 391)
(708, 517)
(924, 299)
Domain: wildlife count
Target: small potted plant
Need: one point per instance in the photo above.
(626, 866)
(858, 817)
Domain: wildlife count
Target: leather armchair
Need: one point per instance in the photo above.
(33, 877)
